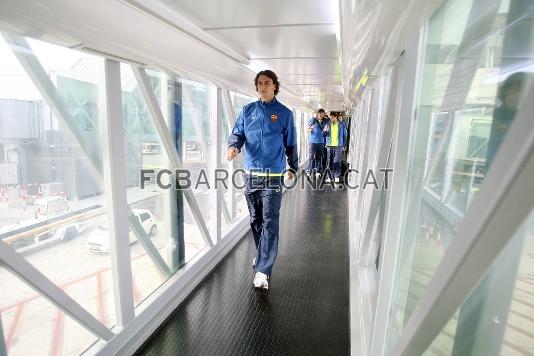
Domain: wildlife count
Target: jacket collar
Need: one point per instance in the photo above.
(269, 104)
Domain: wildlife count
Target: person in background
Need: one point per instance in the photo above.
(324, 154)
(315, 143)
(267, 130)
(336, 138)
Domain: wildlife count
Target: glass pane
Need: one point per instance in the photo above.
(238, 102)
(475, 72)
(496, 319)
(32, 325)
(50, 179)
(231, 195)
(162, 214)
(197, 137)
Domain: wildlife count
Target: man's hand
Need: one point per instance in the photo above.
(290, 175)
(309, 129)
(231, 153)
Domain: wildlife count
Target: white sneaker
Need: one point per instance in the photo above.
(261, 280)
(328, 180)
(317, 174)
(337, 180)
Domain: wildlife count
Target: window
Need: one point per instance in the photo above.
(478, 139)
(53, 172)
(173, 232)
(474, 74)
(496, 318)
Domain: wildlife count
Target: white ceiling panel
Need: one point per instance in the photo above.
(211, 14)
(296, 39)
(302, 66)
(313, 79)
(284, 41)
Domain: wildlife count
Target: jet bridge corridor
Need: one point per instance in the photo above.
(119, 234)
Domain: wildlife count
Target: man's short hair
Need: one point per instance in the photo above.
(334, 114)
(320, 111)
(270, 74)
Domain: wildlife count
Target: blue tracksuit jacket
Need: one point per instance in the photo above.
(267, 130)
(342, 134)
(316, 134)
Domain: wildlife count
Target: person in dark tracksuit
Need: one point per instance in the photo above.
(315, 143)
(266, 129)
(324, 155)
(336, 138)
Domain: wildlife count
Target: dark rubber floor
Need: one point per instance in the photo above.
(306, 309)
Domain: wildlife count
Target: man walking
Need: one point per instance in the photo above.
(267, 130)
(315, 144)
(324, 155)
(336, 138)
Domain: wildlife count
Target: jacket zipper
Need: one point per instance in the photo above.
(261, 141)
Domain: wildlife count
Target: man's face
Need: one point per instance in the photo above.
(333, 118)
(320, 115)
(266, 87)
